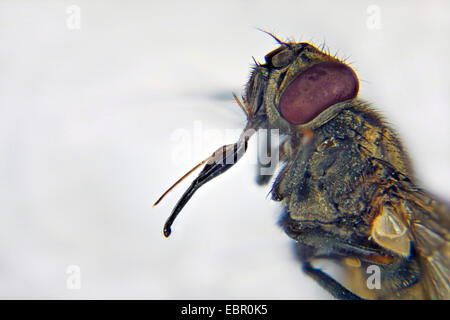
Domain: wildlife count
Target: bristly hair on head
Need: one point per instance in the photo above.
(274, 37)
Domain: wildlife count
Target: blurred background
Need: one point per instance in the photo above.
(105, 104)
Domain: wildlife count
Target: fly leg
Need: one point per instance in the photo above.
(312, 242)
(397, 273)
(329, 284)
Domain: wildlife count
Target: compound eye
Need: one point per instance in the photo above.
(316, 89)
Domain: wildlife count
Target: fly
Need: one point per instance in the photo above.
(345, 181)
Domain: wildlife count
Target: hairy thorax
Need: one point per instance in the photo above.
(328, 180)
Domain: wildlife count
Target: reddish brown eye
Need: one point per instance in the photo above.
(316, 89)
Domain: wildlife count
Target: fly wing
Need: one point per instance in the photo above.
(408, 216)
(405, 216)
(429, 225)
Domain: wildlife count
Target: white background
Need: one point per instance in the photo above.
(88, 120)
